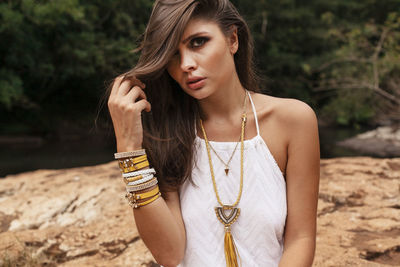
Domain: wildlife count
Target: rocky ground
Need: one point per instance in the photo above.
(79, 217)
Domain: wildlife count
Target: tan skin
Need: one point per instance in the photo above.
(289, 128)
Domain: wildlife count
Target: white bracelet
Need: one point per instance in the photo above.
(143, 177)
(137, 173)
(143, 186)
(141, 181)
(129, 154)
(126, 180)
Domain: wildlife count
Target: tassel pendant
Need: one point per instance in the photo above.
(231, 252)
(230, 249)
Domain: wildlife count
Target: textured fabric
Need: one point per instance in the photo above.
(258, 232)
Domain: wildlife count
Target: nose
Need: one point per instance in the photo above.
(188, 62)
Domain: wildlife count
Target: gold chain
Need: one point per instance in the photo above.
(244, 118)
(234, 150)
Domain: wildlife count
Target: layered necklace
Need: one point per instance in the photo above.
(228, 214)
(234, 150)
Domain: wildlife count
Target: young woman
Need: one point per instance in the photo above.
(238, 170)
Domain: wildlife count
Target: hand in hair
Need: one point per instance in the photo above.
(126, 102)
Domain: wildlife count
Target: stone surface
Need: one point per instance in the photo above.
(382, 142)
(79, 217)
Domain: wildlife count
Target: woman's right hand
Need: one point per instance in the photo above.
(126, 102)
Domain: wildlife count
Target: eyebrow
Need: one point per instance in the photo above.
(193, 35)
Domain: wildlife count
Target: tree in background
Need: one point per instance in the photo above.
(340, 56)
(313, 50)
(363, 73)
(57, 55)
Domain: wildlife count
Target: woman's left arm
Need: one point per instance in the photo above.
(302, 183)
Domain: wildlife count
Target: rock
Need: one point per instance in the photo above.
(79, 217)
(383, 142)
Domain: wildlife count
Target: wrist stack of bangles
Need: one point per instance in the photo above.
(137, 178)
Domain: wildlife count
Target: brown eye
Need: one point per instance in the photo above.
(198, 42)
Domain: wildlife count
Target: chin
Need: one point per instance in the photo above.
(198, 94)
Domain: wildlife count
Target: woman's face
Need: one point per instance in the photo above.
(204, 60)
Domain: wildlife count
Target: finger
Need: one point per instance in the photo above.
(115, 86)
(135, 81)
(127, 85)
(135, 94)
(124, 87)
(143, 105)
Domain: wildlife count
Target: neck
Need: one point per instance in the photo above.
(226, 104)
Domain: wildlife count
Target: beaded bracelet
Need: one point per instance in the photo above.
(137, 173)
(146, 185)
(135, 178)
(134, 184)
(135, 153)
(141, 181)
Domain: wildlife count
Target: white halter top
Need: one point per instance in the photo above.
(258, 232)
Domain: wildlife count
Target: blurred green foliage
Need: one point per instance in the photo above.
(57, 57)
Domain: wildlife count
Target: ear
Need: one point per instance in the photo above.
(233, 40)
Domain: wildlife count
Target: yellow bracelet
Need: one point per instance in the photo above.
(129, 162)
(135, 167)
(132, 179)
(133, 197)
(140, 158)
(138, 205)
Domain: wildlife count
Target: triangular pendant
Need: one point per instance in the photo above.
(227, 219)
(226, 171)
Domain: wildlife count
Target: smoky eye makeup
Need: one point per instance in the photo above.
(198, 42)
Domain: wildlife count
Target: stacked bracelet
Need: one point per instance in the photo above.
(142, 180)
(141, 172)
(136, 188)
(140, 204)
(135, 153)
(137, 178)
(132, 164)
(133, 197)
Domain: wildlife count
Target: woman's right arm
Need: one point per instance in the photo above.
(159, 223)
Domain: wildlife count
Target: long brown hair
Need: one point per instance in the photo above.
(169, 129)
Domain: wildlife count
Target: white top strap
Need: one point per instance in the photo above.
(254, 112)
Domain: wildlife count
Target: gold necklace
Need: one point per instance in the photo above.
(228, 219)
(234, 150)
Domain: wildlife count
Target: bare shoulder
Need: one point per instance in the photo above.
(284, 122)
(287, 112)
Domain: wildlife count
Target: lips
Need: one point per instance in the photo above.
(195, 82)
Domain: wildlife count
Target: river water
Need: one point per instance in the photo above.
(92, 150)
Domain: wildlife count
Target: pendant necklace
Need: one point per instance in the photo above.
(237, 143)
(228, 214)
